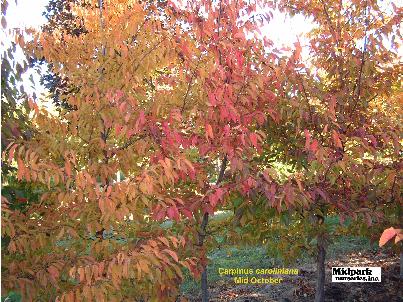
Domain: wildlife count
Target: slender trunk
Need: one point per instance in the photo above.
(202, 235)
(320, 281)
(204, 284)
(400, 214)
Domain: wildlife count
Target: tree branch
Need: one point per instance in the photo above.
(190, 83)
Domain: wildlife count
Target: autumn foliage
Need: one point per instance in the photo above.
(176, 110)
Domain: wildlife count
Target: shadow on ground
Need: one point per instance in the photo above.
(301, 288)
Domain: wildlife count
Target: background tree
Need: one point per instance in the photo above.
(342, 145)
(345, 98)
(15, 125)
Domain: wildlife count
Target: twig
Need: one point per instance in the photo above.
(190, 83)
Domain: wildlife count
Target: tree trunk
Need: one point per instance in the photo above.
(320, 281)
(400, 214)
(204, 284)
(202, 234)
(401, 264)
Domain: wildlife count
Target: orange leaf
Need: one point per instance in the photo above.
(173, 254)
(387, 235)
(68, 168)
(209, 131)
(144, 266)
(21, 169)
(164, 240)
(101, 205)
(81, 273)
(11, 153)
(399, 236)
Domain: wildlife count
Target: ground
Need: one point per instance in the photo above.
(301, 288)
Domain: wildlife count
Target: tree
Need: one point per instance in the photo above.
(60, 247)
(13, 115)
(166, 95)
(338, 128)
(15, 125)
(346, 99)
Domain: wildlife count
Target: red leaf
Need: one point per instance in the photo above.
(53, 272)
(187, 213)
(118, 128)
(173, 213)
(213, 200)
(160, 215)
(332, 107)
(21, 169)
(239, 35)
(101, 205)
(336, 139)
(314, 146)
(253, 139)
(108, 191)
(219, 193)
(212, 99)
(239, 58)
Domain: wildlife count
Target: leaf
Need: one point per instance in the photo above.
(144, 266)
(314, 146)
(118, 129)
(68, 168)
(109, 191)
(173, 254)
(173, 213)
(164, 240)
(336, 139)
(253, 139)
(387, 235)
(101, 205)
(53, 271)
(3, 22)
(209, 131)
(332, 107)
(11, 152)
(187, 213)
(21, 169)
(239, 35)
(81, 274)
(212, 99)
(298, 50)
(399, 236)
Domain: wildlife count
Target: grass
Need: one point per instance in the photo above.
(256, 257)
(232, 257)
